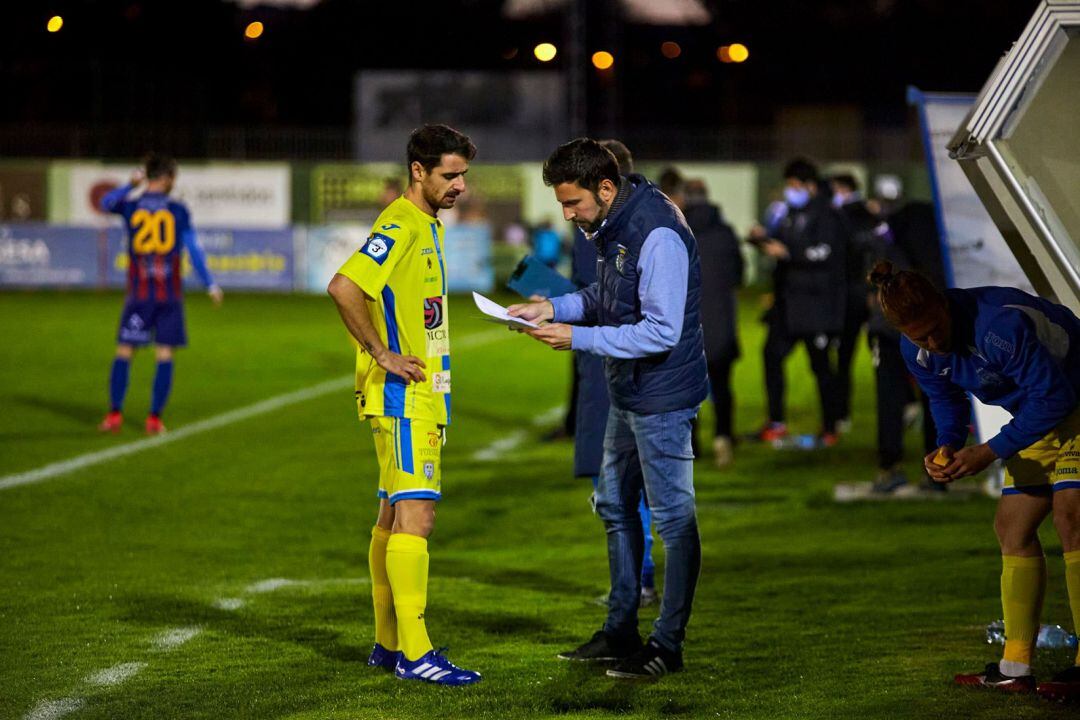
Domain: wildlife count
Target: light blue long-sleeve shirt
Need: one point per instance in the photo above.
(663, 266)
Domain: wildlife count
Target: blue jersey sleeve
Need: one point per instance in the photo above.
(1013, 345)
(114, 200)
(949, 404)
(190, 241)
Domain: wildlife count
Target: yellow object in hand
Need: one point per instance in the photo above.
(941, 459)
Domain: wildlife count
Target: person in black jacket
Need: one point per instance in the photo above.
(909, 240)
(810, 292)
(721, 274)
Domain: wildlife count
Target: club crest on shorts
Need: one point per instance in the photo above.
(620, 259)
(429, 470)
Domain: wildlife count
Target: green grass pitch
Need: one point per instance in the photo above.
(805, 609)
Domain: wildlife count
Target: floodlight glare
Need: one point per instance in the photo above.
(602, 60)
(253, 30)
(738, 52)
(55, 23)
(545, 52)
(723, 54)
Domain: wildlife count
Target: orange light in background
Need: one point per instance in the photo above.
(55, 23)
(602, 60)
(738, 52)
(545, 52)
(509, 53)
(253, 30)
(723, 54)
(670, 50)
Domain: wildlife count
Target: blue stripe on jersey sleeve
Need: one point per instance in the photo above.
(394, 387)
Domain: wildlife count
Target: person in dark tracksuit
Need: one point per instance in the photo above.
(909, 240)
(848, 200)
(810, 292)
(721, 274)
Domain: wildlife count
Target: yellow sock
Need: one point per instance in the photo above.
(407, 566)
(1023, 581)
(1072, 581)
(383, 598)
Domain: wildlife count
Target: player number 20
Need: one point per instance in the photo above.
(155, 232)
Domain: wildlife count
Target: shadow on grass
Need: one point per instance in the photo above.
(81, 412)
(520, 579)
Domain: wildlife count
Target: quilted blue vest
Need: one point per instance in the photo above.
(673, 380)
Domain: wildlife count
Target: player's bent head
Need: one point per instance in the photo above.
(157, 167)
(428, 144)
(912, 305)
(584, 162)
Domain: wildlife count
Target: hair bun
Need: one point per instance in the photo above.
(881, 273)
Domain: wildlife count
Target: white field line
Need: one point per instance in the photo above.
(503, 445)
(116, 674)
(79, 462)
(271, 584)
(53, 709)
(175, 637)
(228, 603)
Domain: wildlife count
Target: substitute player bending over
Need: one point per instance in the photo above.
(1022, 353)
(392, 297)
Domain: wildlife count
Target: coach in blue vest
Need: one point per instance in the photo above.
(641, 315)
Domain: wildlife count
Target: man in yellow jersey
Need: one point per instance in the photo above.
(392, 298)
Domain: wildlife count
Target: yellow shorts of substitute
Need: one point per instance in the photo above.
(1048, 465)
(410, 463)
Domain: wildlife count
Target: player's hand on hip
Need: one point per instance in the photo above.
(216, 295)
(556, 335)
(533, 311)
(970, 461)
(409, 367)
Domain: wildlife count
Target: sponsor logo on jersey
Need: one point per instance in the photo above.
(433, 439)
(433, 312)
(389, 226)
(377, 247)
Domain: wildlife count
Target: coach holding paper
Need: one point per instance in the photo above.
(641, 315)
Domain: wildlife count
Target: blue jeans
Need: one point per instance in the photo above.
(650, 453)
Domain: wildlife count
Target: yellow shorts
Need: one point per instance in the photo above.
(1050, 464)
(409, 453)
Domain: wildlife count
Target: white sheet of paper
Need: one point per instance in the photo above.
(497, 313)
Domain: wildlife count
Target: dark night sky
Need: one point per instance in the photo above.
(186, 62)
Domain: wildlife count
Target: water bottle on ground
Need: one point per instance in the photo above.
(1050, 636)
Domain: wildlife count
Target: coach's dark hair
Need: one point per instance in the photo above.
(846, 180)
(158, 166)
(582, 161)
(622, 155)
(429, 143)
(904, 295)
(802, 170)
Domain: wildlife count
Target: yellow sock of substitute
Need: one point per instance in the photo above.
(407, 566)
(1072, 581)
(1023, 582)
(382, 597)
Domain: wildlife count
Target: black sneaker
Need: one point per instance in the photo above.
(652, 661)
(993, 677)
(604, 648)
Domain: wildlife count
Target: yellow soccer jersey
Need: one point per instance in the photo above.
(402, 266)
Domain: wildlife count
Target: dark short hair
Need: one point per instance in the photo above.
(157, 166)
(846, 180)
(429, 143)
(802, 170)
(622, 155)
(582, 161)
(671, 181)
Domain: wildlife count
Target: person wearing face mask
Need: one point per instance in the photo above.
(809, 243)
(642, 315)
(1022, 353)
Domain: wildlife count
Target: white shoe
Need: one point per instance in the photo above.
(723, 451)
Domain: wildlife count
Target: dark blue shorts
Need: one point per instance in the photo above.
(143, 322)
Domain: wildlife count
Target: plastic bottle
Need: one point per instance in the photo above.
(1050, 636)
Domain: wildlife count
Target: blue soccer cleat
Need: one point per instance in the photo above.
(434, 667)
(380, 657)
